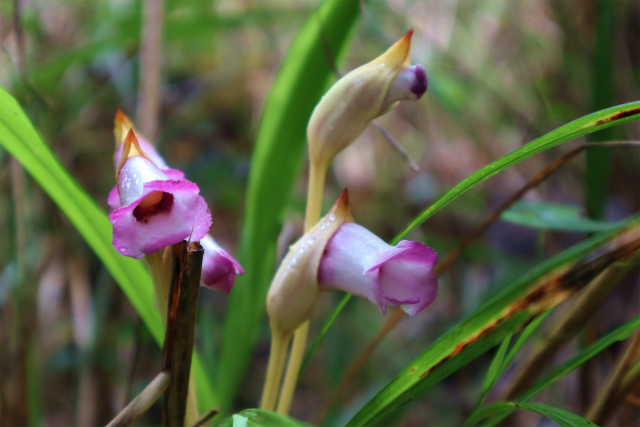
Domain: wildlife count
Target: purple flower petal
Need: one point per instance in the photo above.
(219, 269)
(113, 199)
(181, 213)
(359, 262)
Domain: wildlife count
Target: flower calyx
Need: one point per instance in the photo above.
(294, 292)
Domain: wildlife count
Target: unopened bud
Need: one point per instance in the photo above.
(362, 95)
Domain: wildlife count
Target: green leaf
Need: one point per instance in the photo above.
(590, 123)
(21, 140)
(261, 418)
(561, 416)
(495, 368)
(553, 216)
(323, 332)
(620, 334)
(603, 92)
(541, 289)
(492, 376)
(276, 163)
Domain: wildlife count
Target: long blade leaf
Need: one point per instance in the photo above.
(539, 290)
(19, 138)
(276, 163)
(590, 123)
(596, 121)
(561, 416)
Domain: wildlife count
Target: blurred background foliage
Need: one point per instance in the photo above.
(501, 73)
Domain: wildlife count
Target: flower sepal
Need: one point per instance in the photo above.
(294, 292)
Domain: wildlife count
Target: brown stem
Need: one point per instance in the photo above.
(206, 417)
(585, 304)
(395, 144)
(181, 321)
(624, 376)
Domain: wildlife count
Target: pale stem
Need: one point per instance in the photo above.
(314, 209)
(277, 357)
(293, 368)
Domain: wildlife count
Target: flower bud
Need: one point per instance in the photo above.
(122, 127)
(362, 95)
(294, 292)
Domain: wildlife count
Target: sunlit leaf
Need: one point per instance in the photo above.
(553, 216)
(538, 291)
(21, 140)
(276, 163)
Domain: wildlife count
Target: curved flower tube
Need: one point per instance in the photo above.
(357, 261)
(155, 211)
(362, 95)
(339, 254)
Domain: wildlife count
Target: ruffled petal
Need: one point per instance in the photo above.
(359, 262)
(181, 214)
(219, 269)
(407, 279)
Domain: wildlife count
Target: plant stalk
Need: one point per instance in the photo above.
(317, 172)
(141, 404)
(277, 357)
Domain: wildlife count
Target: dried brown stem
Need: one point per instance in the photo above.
(545, 173)
(585, 304)
(181, 321)
(395, 144)
(150, 66)
(397, 315)
(624, 376)
(206, 417)
(141, 404)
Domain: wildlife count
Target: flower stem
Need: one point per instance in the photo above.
(279, 343)
(314, 194)
(317, 173)
(293, 368)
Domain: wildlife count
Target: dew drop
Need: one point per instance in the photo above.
(332, 217)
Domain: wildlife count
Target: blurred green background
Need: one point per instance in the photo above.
(501, 73)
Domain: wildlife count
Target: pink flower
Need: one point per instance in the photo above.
(339, 254)
(155, 210)
(357, 261)
(219, 269)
